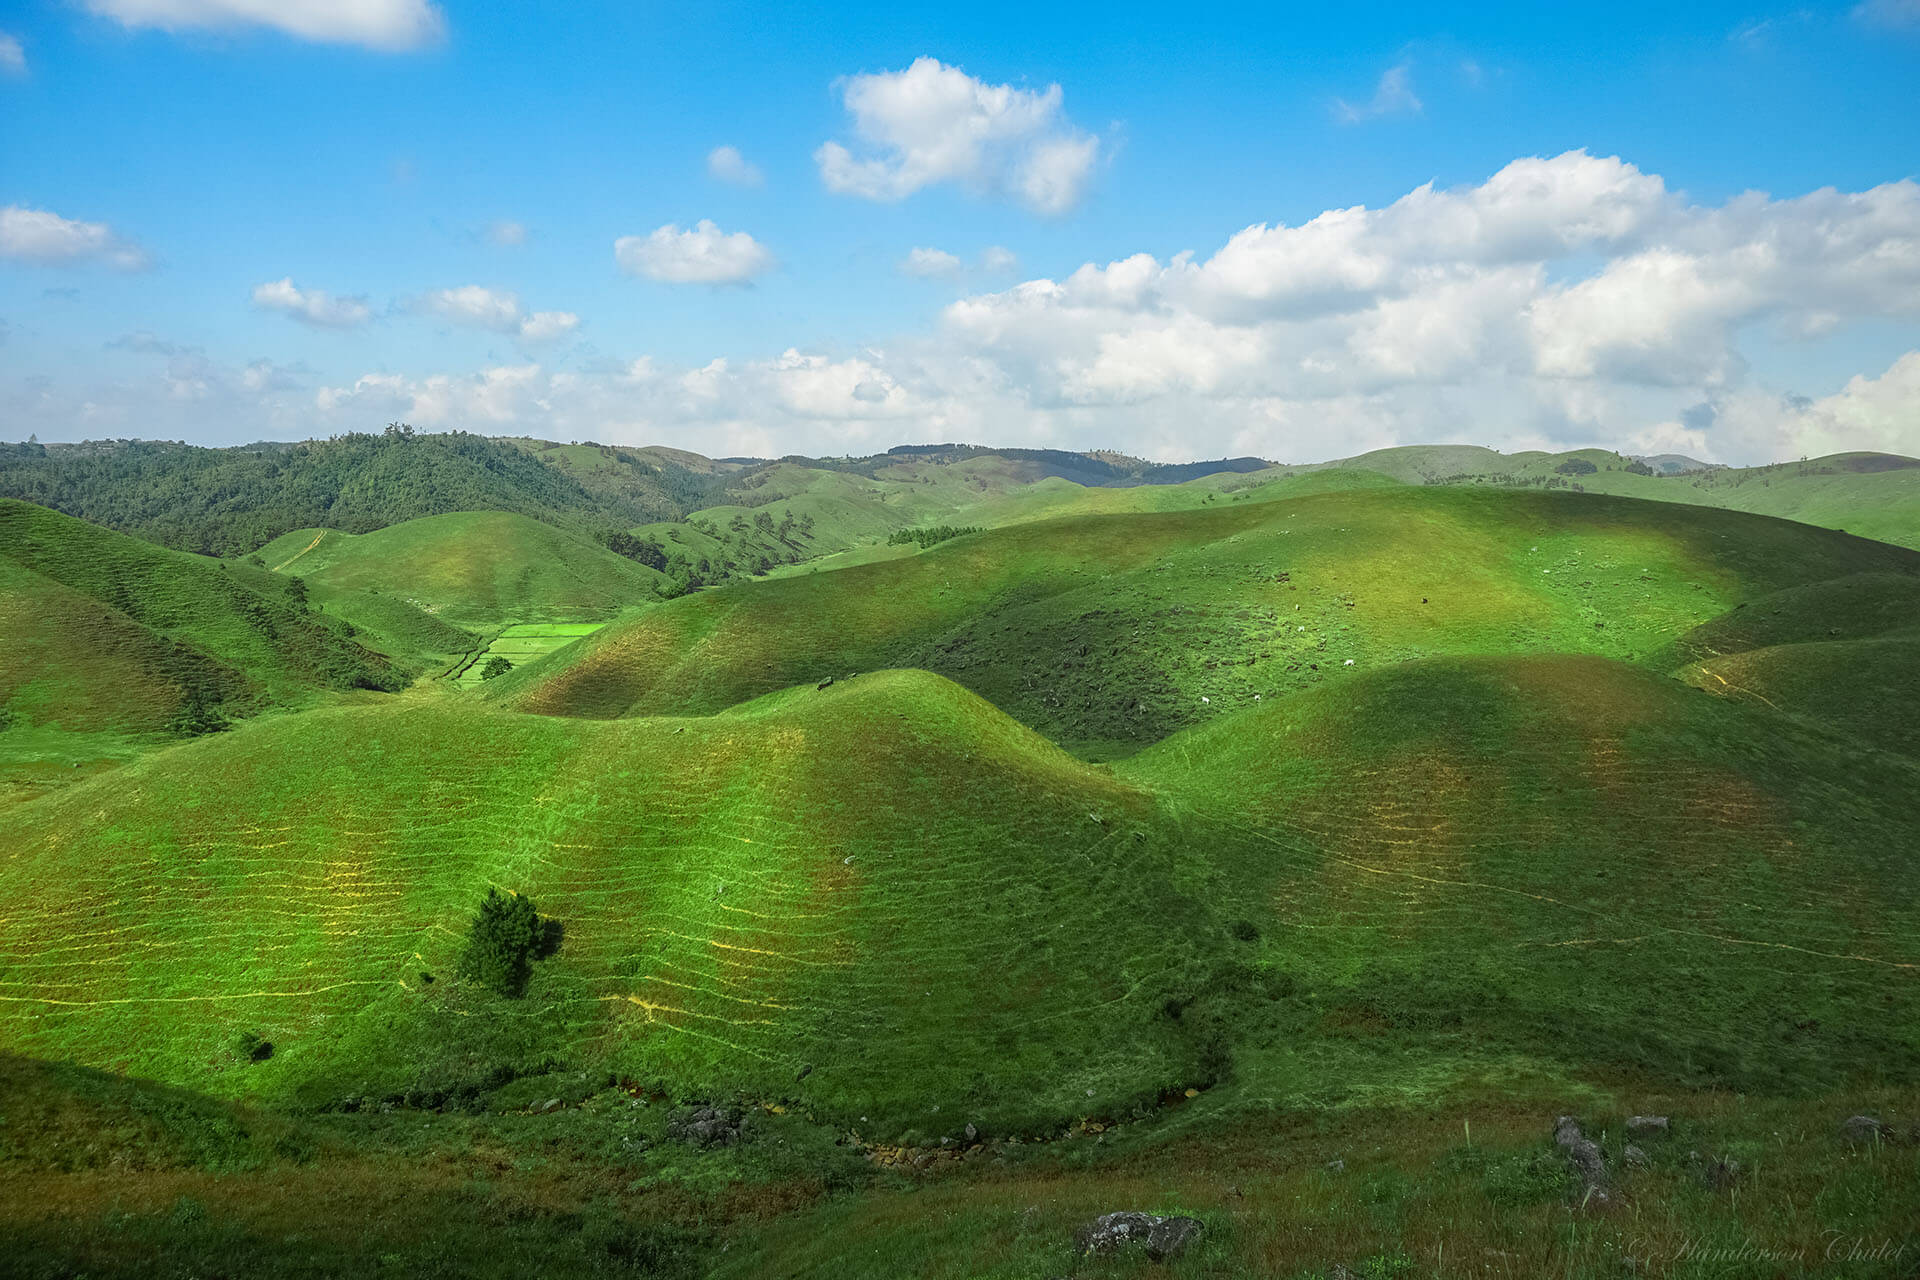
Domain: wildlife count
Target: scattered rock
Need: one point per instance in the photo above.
(803, 1073)
(1649, 1126)
(1865, 1129)
(551, 1104)
(1583, 1153)
(973, 1134)
(1634, 1158)
(704, 1127)
(824, 683)
(1336, 1166)
(1162, 1238)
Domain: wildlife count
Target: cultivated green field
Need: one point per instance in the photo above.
(521, 643)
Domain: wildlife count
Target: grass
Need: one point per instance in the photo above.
(479, 569)
(113, 645)
(520, 644)
(1109, 632)
(1269, 912)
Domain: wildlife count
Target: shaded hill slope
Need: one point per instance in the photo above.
(1106, 633)
(105, 630)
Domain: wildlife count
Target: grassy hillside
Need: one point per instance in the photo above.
(1374, 890)
(111, 642)
(474, 569)
(744, 896)
(1875, 495)
(1106, 633)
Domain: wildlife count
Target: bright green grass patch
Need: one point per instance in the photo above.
(522, 643)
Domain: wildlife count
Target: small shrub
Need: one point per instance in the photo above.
(251, 1047)
(496, 666)
(506, 937)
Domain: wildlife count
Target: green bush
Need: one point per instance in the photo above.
(506, 937)
(496, 666)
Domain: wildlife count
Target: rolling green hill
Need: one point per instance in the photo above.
(1421, 803)
(474, 569)
(1109, 632)
(1875, 495)
(1540, 865)
(111, 641)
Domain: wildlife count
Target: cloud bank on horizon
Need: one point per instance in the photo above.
(1561, 300)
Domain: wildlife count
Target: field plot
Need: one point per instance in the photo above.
(522, 643)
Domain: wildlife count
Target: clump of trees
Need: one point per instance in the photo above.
(1576, 467)
(496, 666)
(507, 935)
(642, 550)
(929, 536)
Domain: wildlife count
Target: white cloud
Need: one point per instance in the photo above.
(507, 233)
(13, 58)
(927, 263)
(703, 255)
(37, 235)
(998, 259)
(1394, 95)
(1564, 301)
(1889, 13)
(726, 164)
(386, 25)
(482, 308)
(1876, 414)
(933, 123)
(311, 306)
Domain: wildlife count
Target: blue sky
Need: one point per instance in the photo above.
(166, 164)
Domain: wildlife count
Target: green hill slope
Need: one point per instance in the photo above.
(1843, 654)
(1106, 633)
(476, 568)
(744, 896)
(110, 641)
(1875, 495)
(887, 904)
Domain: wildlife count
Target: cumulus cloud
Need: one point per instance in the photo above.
(385, 25)
(482, 308)
(37, 235)
(13, 58)
(703, 255)
(933, 123)
(311, 306)
(1394, 95)
(928, 263)
(507, 233)
(1564, 301)
(726, 164)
